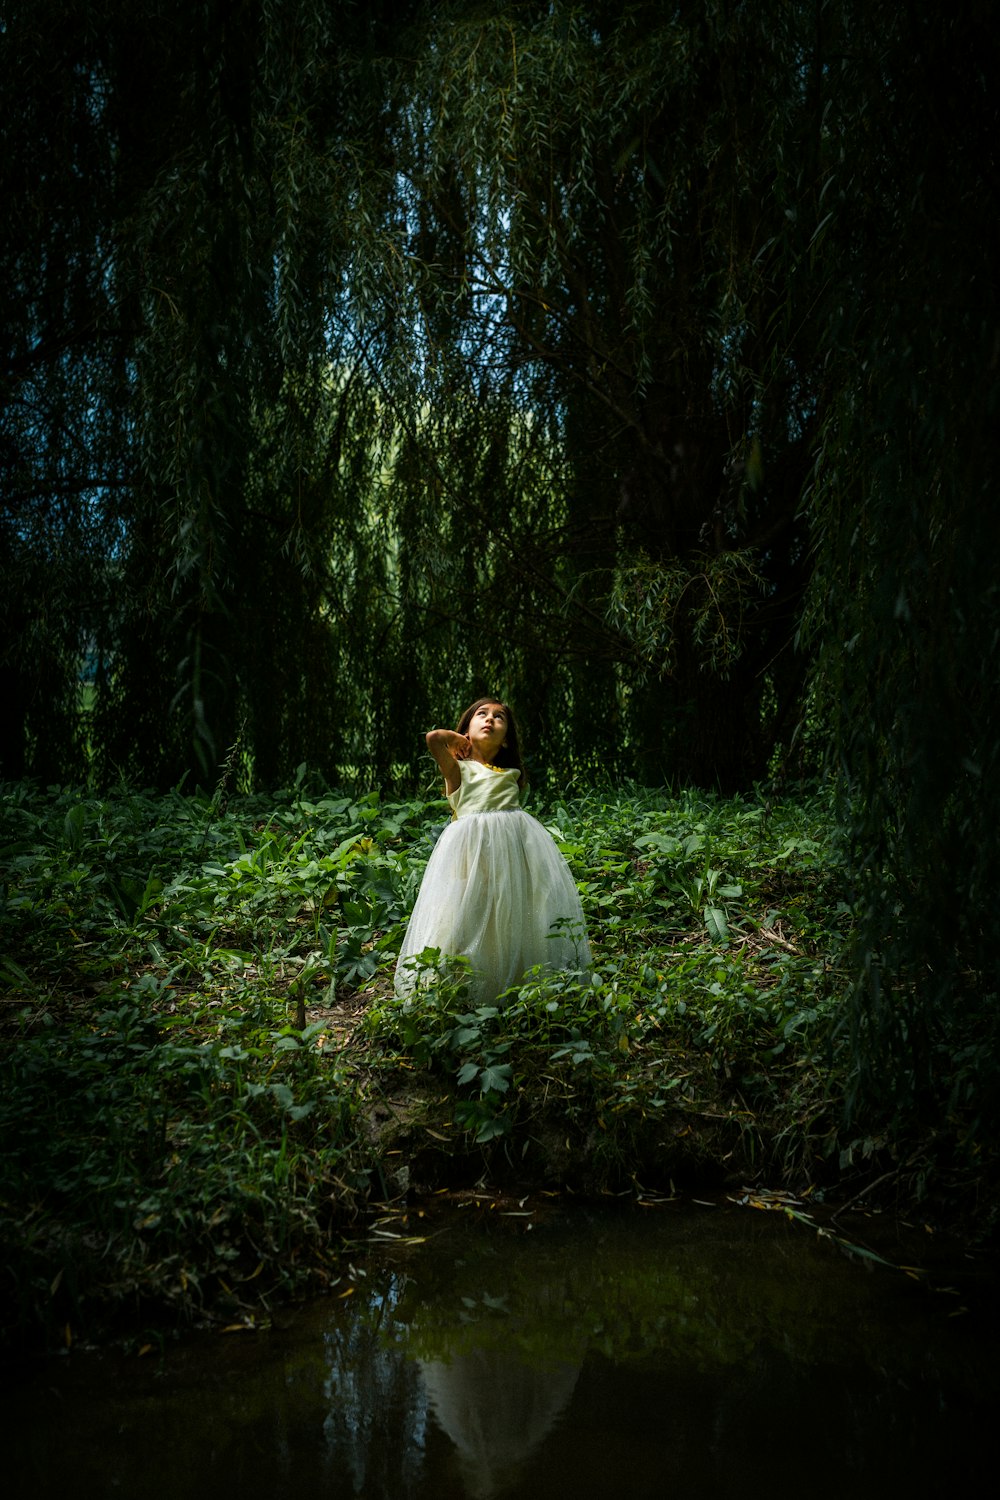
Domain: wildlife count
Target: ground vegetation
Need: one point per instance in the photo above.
(214, 1090)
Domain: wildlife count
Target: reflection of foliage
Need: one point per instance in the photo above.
(553, 1312)
(336, 1404)
(700, 1294)
(368, 1389)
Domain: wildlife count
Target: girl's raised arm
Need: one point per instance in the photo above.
(448, 747)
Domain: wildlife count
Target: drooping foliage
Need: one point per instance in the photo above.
(906, 601)
(620, 226)
(177, 245)
(426, 351)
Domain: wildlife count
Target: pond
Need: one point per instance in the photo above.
(518, 1348)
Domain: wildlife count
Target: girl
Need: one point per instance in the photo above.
(496, 889)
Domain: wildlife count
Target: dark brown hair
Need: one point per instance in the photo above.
(509, 754)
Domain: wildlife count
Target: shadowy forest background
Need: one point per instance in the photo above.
(637, 363)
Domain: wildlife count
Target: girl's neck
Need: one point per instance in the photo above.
(491, 765)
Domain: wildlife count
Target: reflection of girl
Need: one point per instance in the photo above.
(496, 1409)
(496, 889)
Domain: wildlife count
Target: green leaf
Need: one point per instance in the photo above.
(283, 1095)
(496, 1078)
(716, 925)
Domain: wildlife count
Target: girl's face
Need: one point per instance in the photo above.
(488, 729)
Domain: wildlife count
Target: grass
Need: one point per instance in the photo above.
(207, 1080)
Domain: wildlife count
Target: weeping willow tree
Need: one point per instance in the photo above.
(906, 599)
(250, 510)
(597, 217)
(62, 414)
(178, 514)
(392, 353)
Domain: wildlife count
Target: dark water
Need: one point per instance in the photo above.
(668, 1352)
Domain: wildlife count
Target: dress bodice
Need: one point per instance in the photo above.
(482, 789)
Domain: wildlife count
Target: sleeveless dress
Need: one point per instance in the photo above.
(496, 891)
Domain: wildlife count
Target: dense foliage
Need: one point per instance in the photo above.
(357, 357)
(208, 1076)
(904, 599)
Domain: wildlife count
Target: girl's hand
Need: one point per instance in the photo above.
(448, 747)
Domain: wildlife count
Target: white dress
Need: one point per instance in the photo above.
(496, 891)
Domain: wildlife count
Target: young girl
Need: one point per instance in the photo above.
(496, 889)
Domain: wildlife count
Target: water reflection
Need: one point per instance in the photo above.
(496, 1409)
(595, 1356)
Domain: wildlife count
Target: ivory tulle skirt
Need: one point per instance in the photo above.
(498, 892)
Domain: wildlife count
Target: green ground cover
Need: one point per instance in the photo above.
(207, 1082)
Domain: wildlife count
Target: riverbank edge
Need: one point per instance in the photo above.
(409, 1153)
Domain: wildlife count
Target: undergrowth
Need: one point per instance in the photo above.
(200, 1033)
